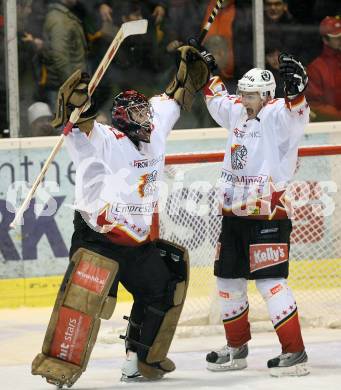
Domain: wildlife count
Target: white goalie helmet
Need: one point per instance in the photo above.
(258, 80)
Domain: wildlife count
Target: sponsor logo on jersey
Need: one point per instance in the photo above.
(147, 184)
(238, 156)
(267, 255)
(71, 335)
(136, 209)
(140, 163)
(245, 134)
(224, 294)
(238, 133)
(276, 289)
(229, 177)
(145, 163)
(89, 276)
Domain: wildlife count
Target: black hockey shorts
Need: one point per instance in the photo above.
(253, 249)
(142, 271)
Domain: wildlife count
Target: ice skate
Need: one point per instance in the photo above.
(227, 359)
(289, 364)
(130, 371)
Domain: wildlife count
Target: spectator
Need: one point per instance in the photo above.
(271, 63)
(216, 45)
(324, 91)
(39, 118)
(28, 49)
(223, 26)
(182, 22)
(138, 61)
(242, 36)
(65, 47)
(278, 23)
(323, 8)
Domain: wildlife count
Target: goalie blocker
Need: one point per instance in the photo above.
(83, 301)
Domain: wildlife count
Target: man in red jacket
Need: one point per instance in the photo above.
(324, 90)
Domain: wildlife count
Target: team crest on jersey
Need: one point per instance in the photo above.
(238, 133)
(147, 185)
(238, 156)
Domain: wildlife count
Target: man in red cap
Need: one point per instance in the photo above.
(324, 89)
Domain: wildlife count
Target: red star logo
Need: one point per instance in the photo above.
(226, 314)
(234, 312)
(241, 308)
(278, 317)
(277, 201)
(291, 307)
(300, 112)
(284, 312)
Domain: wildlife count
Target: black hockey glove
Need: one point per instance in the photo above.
(205, 54)
(294, 75)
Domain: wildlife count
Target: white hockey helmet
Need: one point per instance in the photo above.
(258, 80)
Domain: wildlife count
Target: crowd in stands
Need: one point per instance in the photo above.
(56, 37)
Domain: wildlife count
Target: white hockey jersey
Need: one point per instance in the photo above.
(117, 184)
(261, 153)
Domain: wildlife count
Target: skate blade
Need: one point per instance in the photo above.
(301, 369)
(237, 364)
(137, 378)
(132, 378)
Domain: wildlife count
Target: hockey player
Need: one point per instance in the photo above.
(260, 160)
(118, 169)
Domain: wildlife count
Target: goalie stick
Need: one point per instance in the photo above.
(127, 29)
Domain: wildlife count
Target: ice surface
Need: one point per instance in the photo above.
(22, 332)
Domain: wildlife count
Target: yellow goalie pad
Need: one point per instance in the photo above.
(81, 302)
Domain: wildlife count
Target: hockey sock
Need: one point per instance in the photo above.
(234, 309)
(283, 313)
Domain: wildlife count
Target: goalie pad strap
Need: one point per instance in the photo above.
(72, 331)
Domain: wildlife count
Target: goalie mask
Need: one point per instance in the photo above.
(258, 80)
(132, 114)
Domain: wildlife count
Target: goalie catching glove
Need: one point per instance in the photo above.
(192, 75)
(294, 75)
(205, 55)
(74, 94)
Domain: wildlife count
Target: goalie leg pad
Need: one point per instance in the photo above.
(75, 321)
(154, 364)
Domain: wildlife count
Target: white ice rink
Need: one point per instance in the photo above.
(22, 332)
